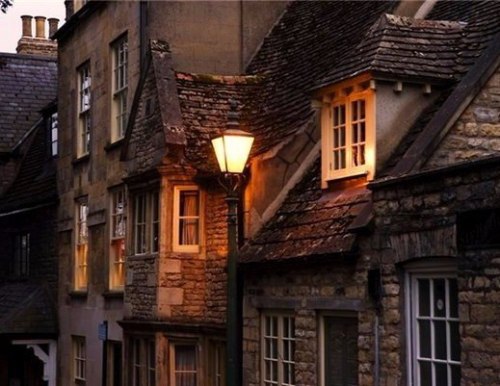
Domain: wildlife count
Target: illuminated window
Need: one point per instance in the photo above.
(84, 119)
(81, 253)
(120, 84)
(348, 138)
(79, 360)
(278, 347)
(434, 350)
(186, 225)
(184, 365)
(146, 222)
(117, 247)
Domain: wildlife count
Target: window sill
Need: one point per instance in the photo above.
(114, 145)
(143, 256)
(113, 294)
(78, 294)
(80, 160)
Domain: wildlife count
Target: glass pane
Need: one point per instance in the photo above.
(362, 109)
(453, 296)
(354, 106)
(440, 339)
(439, 297)
(441, 374)
(424, 327)
(454, 341)
(455, 375)
(342, 114)
(342, 136)
(423, 297)
(355, 129)
(425, 374)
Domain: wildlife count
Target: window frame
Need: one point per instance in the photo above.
(84, 121)
(141, 368)
(81, 249)
(439, 269)
(344, 94)
(280, 348)
(79, 360)
(149, 227)
(119, 87)
(177, 246)
(54, 134)
(172, 362)
(117, 263)
(22, 253)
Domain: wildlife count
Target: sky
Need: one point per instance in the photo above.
(10, 23)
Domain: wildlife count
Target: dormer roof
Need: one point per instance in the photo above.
(398, 47)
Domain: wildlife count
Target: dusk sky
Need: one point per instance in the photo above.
(10, 23)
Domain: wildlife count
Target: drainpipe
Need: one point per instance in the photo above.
(376, 374)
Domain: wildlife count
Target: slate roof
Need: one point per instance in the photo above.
(27, 84)
(205, 102)
(309, 223)
(405, 48)
(35, 182)
(311, 39)
(26, 308)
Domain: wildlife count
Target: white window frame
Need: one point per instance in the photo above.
(149, 226)
(118, 228)
(119, 93)
(177, 246)
(54, 123)
(346, 93)
(81, 252)
(79, 360)
(173, 371)
(438, 269)
(84, 104)
(281, 340)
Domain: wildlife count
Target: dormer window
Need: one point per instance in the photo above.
(348, 132)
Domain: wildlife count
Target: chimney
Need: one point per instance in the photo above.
(39, 45)
(26, 25)
(53, 25)
(40, 26)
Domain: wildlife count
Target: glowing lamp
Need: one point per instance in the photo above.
(232, 149)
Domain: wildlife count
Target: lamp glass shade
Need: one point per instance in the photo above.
(232, 149)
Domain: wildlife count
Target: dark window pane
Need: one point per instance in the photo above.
(439, 297)
(454, 341)
(440, 339)
(453, 298)
(424, 327)
(423, 297)
(441, 374)
(455, 375)
(425, 374)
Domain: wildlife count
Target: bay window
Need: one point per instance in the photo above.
(146, 222)
(186, 227)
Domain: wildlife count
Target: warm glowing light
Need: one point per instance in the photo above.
(232, 149)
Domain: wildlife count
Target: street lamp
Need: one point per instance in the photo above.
(232, 149)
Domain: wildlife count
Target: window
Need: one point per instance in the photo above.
(339, 342)
(146, 224)
(434, 349)
(217, 363)
(120, 83)
(21, 254)
(81, 246)
(84, 122)
(348, 138)
(143, 362)
(79, 360)
(186, 225)
(53, 134)
(278, 348)
(184, 368)
(114, 363)
(117, 244)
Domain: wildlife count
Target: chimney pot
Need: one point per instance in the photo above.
(53, 25)
(26, 20)
(40, 26)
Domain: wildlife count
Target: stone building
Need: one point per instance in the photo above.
(28, 202)
(380, 265)
(125, 281)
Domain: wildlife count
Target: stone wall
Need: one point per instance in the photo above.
(477, 132)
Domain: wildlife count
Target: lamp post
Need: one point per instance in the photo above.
(232, 149)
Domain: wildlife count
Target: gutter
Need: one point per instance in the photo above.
(24, 210)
